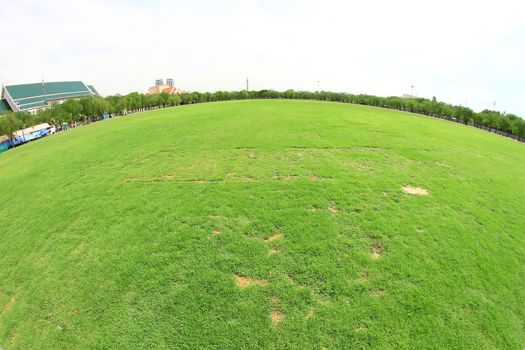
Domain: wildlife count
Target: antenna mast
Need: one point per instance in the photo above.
(44, 90)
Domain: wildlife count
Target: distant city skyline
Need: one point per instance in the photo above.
(465, 53)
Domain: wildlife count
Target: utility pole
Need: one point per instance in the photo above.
(247, 85)
(318, 86)
(412, 90)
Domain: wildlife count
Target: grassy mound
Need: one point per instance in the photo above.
(264, 224)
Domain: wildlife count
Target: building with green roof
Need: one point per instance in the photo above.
(90, 87)
(31, 97)
(4, 107)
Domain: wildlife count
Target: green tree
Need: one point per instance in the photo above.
(518, 128)
(73, 108)
(174, 100)
(9, 123)
(164, 98)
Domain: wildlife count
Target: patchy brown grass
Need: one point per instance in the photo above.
(316, 177)
(13, 339)
(315, 208)
(277, 317)
(170, 179)
(285, 177)
(333, 209)
(378, 292)
(9, 305)
(417, 191)
(216, 232)
(323, 299)
(377, 249)
(78, 248)
(274, 237)
(201, 181)
(243, 281)
(273, 251)
(41, 262)
(361, 327)
(249, 179)
(443, 164)
(310, 313)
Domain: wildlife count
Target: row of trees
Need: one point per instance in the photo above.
(89, 109)
(85, 110)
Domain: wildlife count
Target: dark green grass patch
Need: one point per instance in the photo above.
(264, 224)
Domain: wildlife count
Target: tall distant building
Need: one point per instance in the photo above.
(169, 87)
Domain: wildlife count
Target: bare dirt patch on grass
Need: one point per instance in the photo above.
(377, 250)
(274, 237)
(333, 208)
(417, 191)
(243, 281)
(216, 232)
(273, 251)
(277, 316)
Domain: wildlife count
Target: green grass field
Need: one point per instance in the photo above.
(264, 224)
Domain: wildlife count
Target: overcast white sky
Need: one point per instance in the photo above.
(462, 52)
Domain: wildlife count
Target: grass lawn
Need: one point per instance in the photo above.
(264, 224)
